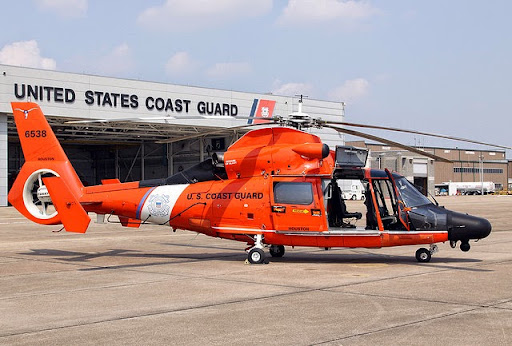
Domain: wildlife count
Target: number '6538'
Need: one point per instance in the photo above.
(35, 133)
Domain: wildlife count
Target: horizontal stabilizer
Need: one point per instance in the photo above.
(72, 214)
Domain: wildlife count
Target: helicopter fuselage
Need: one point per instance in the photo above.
(289, 208)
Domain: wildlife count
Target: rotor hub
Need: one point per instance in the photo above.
(43, 195)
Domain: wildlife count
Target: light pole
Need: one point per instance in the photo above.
(481, 157)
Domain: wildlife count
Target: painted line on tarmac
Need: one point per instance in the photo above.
(397, 326)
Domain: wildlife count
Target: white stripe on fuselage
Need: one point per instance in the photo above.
(160, 203)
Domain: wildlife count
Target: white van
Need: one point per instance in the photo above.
(351, 189)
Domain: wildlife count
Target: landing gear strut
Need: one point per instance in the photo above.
(256, 255)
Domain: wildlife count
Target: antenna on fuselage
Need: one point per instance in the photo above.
(300, 102)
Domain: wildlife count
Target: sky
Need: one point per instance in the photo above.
(434, 66)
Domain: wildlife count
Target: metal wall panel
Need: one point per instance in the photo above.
(3, 159)
(82, 96)
(88, 100)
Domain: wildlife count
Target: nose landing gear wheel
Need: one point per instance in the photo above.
(423, 255)
(256, 256)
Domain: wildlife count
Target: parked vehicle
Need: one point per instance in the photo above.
(351, 189)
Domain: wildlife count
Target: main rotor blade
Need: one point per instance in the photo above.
(387, 141)
(166, 118)
(225, 129)
(414, 132)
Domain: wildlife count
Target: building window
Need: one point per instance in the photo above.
(477, 170)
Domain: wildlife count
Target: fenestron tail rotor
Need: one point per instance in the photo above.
(36, 197)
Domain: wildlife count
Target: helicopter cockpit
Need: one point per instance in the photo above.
(388, 197)
(393, 203)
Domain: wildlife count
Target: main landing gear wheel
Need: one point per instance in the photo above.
(423, 255)
(276, 250)
(256, 256)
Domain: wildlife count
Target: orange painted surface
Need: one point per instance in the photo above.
(224, 205)
(123, 202)
(271, 151)
(412, 239)
(41, 149)
(72, 214)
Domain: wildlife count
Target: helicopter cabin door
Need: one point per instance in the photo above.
(295, 206)
(401, 207)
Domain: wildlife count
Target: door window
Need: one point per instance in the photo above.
(293, 193)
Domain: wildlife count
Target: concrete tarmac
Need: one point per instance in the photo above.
(150, 286)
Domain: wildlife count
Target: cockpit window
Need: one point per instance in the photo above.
(409, 194)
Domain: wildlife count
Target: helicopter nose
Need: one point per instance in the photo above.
(465, 227)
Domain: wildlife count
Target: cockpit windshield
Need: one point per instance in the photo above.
(409, 194)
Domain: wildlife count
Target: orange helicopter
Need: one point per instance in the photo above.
(274, 187)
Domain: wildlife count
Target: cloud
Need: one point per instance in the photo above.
(300, 12)
(117, 62)
(180, 64)
(186, 15)
(291, 89)
(65, 8)
(229, 69)
(351, 90)
(27, 54)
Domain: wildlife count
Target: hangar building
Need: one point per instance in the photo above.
(146, 113)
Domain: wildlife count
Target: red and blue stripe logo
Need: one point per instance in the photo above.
(260, 110)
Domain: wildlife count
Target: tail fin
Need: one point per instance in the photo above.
(44, 157)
